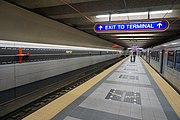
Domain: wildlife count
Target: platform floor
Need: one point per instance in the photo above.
(128, 93)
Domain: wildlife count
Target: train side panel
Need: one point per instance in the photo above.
(163, 60)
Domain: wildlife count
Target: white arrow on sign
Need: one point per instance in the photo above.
(159, 24)
(100, 27)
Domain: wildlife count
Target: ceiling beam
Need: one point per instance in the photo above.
(43, 3)
(105, 6)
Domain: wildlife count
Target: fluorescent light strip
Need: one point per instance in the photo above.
(47, 46)
(137, 13)
(133, 38)
(133, 14)
(134, 35)
(102, 16)
(129, 14)
(174, 43)
(160, 12)
(123, 14)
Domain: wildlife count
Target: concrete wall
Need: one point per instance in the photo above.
(18, 24)
(15, 75)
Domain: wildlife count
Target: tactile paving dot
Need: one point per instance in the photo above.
(131, 77)
(130, 69)
(125, 77)
(114, 95)
(124, 96)
(131, 65)
(132, 97)
(137, 77)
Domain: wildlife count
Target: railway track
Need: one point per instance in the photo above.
(74, 81)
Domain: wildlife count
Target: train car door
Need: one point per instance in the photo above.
(149, 56)
(162, 62)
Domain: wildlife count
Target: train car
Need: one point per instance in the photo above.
(24, 66)
(165, 59)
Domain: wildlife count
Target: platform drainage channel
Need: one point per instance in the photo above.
(124, 96)
(130, 77)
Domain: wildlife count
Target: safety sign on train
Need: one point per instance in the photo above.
(152, 26)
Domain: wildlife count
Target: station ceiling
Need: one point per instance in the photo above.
(83, 15)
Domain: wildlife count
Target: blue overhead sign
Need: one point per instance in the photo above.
(131, 26)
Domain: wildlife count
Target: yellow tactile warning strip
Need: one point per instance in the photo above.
(171, 95)
(50, 110)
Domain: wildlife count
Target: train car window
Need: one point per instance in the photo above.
(158, 54)
(177, 60)
(170, 61)
(154, 57)
(151, 55)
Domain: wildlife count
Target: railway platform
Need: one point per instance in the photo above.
(125, 91)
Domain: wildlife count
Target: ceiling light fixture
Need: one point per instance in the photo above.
(164, 45)
(129, 14)
(174, 43)
(102, 16)
(134, 14)
(134, 35)
(133, 38)
(162, 11)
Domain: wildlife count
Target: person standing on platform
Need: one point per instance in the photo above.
(134, 56)
(131, 56)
